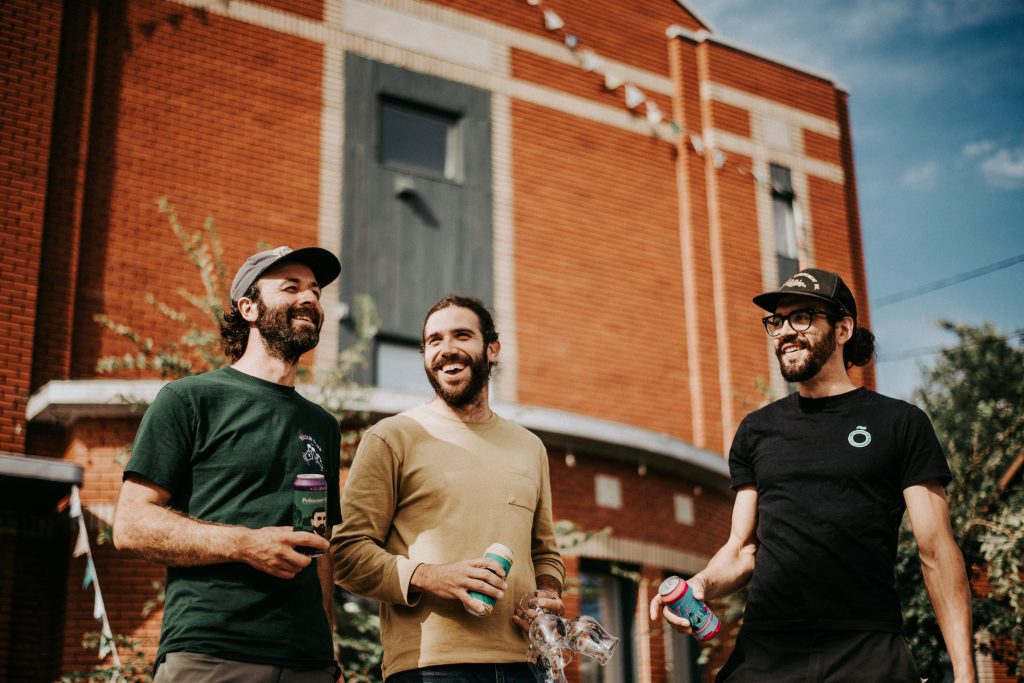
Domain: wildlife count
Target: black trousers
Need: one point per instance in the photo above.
(819, 657)
(469, 673)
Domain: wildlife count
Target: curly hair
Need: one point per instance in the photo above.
(472, 303)
(861, 347)
(234, 329)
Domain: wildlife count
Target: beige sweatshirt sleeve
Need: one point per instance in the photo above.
(546, 558)
(361, 564)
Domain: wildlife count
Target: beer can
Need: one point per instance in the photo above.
(503, 555)
(676, 595)
(309, 513)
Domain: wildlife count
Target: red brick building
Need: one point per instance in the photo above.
(615, 178)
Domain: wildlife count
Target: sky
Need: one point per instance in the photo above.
(937, 111)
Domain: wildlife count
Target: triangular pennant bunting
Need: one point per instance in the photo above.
(654, 114)
(552, 21)
(107, 641)
(90, 574)
(98, 610)
(76, 503)
(612, 81)
(634, 96)
(590, 61)
(82, 542)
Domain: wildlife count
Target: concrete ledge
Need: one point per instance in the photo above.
(64, 402)
(43, 469)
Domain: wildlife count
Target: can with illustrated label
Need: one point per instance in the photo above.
(309, 513)
(503, 555)
(677, 596)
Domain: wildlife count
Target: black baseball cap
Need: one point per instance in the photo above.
(324, 264)
(817, 284)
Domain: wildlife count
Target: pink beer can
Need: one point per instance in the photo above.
(676, 595)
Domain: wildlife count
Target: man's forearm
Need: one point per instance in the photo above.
(729, 570)
(549, 583)
(950, 595)
(167, 537)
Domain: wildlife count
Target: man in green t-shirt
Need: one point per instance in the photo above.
(208, 491)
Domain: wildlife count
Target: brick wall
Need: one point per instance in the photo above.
(29, 45)
(598, 292)
(99, 447)
(220, 117)
(630, 31)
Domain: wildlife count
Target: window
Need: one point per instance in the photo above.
(784, 219)
(683, 505)
(418, 139)
(608, 491)
(610, 599)
(399, 365)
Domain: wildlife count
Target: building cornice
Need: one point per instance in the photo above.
(67, 401)
(676, 31)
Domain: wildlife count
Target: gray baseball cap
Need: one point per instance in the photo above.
(324, 264)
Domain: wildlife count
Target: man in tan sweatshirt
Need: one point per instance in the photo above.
(429, 490)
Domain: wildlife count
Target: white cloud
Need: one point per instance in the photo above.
(941, 17)
(976, 149)
(923, 177)
(1005, 169)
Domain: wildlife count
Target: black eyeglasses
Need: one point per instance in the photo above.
(798, 320)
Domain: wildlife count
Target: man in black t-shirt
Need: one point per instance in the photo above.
(208, 491)
(822, 478)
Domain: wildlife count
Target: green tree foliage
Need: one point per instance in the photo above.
(134, 667)
(974, 394)
(198, 348)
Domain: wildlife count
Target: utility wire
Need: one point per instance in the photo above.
(946, 282)
(928, 350)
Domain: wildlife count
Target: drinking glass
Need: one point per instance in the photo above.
(587, 636)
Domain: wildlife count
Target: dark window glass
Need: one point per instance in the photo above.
(417, 138)
(610, 599)
(784, 219)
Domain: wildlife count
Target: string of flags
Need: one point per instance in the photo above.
(99, 610)
(636, 99)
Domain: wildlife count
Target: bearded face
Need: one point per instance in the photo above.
(458, 377)
(800, 357)
(288, 331)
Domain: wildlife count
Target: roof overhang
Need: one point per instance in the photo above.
(33, 483)
(65, 402)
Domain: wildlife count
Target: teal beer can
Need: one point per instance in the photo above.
(676, 595)
(502, 554)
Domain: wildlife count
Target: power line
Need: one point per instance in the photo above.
(909, 353)
(946, 282)
(928, 350)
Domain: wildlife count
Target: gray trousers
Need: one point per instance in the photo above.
(192, 667)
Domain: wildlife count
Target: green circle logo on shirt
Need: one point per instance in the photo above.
(859, 437)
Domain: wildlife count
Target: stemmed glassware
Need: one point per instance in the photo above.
(554, 639)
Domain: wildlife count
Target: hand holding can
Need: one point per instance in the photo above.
(502, 555)
(677, 595)
(309, 512)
